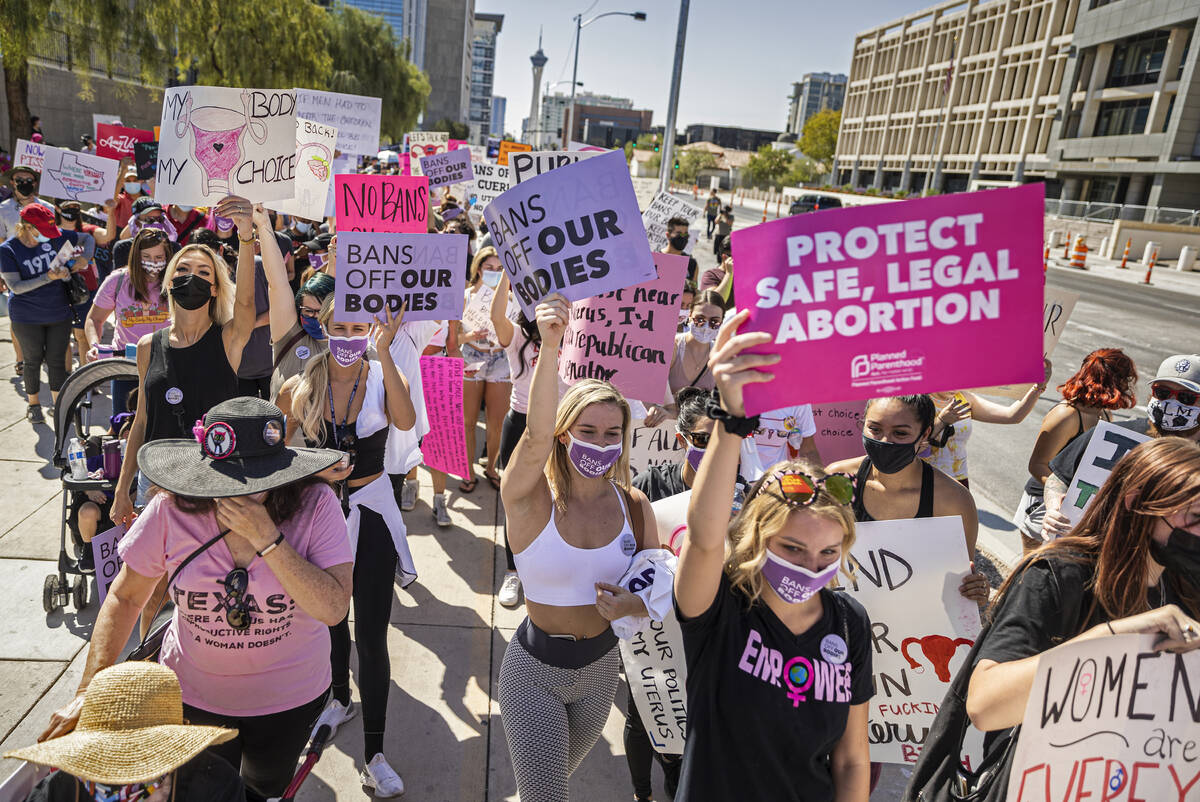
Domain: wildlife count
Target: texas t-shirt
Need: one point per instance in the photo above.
(280, 661)
(133, 317)
(779, 427)
(769, 701)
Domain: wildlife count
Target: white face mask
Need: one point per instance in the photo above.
(154, 267)
(1172, 416)
(703, 334)
(42, 238)
(133, 187)
(491, 278)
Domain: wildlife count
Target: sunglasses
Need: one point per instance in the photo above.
(1162, 392)
(713, 322)
(698, 439)
(237, 612)
(798, 489)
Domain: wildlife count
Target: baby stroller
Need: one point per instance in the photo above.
(73, 418)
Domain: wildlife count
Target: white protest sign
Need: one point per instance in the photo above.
(670, 516)
(216, 141)
(451, 167)
(646, 190)
(105, 119)
(478, 154)
(314, 171)
(585, 147)
(422, 272)
(1110, 719)
(342, 165)
(535, 162)
(78, 176)
(653, 445)
(29, 154)
(491, 181)
(425, 143)
(661, 209)
(108, 562)
(354, 117)
(477, 315)
(1108, 444)
(1056, 310)
(907, 575)
(657, 674)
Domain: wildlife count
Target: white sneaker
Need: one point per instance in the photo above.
(510, 590)
(440, 513)
(381, 778)
(335, 715)
(408, 494)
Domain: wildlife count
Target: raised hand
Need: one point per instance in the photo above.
(388, 326)
(552, 315)
(733, 370)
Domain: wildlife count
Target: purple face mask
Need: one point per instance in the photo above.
(348, 350)
(223, 223)
(315, 260)
(694, 455)
(592, 461)
(793, 583)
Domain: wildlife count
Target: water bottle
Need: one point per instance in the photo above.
(77, 459)
(112, 459)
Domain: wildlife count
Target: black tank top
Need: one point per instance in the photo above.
(924, 505)
(368, 451)
(182, 384)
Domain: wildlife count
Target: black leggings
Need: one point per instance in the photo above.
(639, 753)
(510, 434)
(43, 342)
(266, 747)
(374, 575)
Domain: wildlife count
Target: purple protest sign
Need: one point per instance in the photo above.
(909, 297)
(422, 271)
(108, 562)
(445, 446)
(575, 230)
(626, 336)
(451, 167)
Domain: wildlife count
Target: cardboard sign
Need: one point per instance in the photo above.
(425, 143)
(385, 203)
(1056, 311)
(444, 447)
(527, 165)
(423, 272)
(907, 575)
(117, 141)
(507, 146)
(491, 181)
(663, 208)
(315, 143)
(575, 230)
(108, 562)
(478, 314)
(670, 516)
(217, 141)
(586, 148)
(354, 117)
(1110, 719)
(1108, 444)
(653, 445)
(78, 176)
(145, 158)
(911, 297)
(29, 154)
(838, 436)
(342, 165)
(451, 167)
(657, 673)
(627, 336)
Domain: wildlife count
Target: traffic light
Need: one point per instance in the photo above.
(656, 144)
(677, 164)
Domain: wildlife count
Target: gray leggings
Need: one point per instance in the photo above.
(552, 716)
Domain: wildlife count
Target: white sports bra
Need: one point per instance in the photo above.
(554, 572)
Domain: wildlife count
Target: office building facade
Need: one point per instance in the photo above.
(499, 110)
(392, 12)
(552, 113)
(729, 137)
(483, 70)
(449, 29)
(817, 91)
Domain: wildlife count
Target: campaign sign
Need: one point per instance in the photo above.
(29, 154)
(906, 574)
(627, 336)
(425, 143)
(1108, 444)
(216, 141)
(911, 297)
(444, 446)
(527, 165)
(653, 445)
(575, 230)
(838, 434)
(108, 562)
(117, 141)
(508, 147)
(145, 158)
(422, 272)
(663, 208)
(69, 174)
(451, 167)
(491, 181)
(315, 144)
(1110, 719)
(386, 203)
(354, 117)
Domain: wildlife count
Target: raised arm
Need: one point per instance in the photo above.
(400, 411)
(500, 322)
(282, 304)
(986, 411)
(237, 332)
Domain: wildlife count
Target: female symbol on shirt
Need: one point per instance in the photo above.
(798, 675)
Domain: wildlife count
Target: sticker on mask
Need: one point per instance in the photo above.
(303, 352)
(834, 649)
(174, 395)
(272, 432)
(628, 544)
(219, 440)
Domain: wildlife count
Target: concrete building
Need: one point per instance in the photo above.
(483, 70)
(416, 13)
(608, 126)
(817, 91)
(553, 109)
(499, 110)
(449, 28)
(729, 137)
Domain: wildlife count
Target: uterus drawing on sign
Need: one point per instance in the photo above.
(317, 157)
(217, 134)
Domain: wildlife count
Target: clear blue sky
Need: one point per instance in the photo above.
(740, 60)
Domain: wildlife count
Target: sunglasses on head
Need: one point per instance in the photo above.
(1162, 392)
(698, 439)
(798, 489)
(237, 611)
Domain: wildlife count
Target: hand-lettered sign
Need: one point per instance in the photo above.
(385, 203)
(661, 209)
(117, 141)
(508, 147)
(315, 144)
(423, 272)
(575, 230)
(145, 158)
(29, 154)
(838, 434)
(653, 445)
(491, 181)
(217, 141)
(1056, 310)
(354, 117)
(425, 143)
(108, 562)
(910, 297)
(528, 164)
(451, 167)
(69, 174)
(1108, 444)
(444, 447)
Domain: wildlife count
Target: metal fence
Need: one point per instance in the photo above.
(1095, 212)
(70, 51)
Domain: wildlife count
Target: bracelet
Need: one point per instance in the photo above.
(740, 427)
(245, 241)
(1111, 631)
(271, 547)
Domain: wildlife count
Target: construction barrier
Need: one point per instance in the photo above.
(1079, 256)
(1046, 259)
(1067, 247)
(1150, 267)
(1125, 256)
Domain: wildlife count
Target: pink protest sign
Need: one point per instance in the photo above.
(838, 434)
(910, 297)
(576, 230)
(394, 204)
(117, 141)
(626, 336)
(445, 446)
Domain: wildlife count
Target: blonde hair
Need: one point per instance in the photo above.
(308, 394)
(220, 308)
(579, 397)
(476, 270)
(763, 517)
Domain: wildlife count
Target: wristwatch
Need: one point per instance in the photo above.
(741, 427)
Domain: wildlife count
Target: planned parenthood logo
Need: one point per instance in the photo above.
(887, 372)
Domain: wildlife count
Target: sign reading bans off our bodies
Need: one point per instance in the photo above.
(909, 297)
(397, 204)
(575, 230)
(422, 272)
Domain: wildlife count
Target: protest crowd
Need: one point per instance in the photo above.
(299, 353)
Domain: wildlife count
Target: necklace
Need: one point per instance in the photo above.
(337, 429)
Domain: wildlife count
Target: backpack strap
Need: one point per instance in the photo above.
(635, 516)
(287, 347)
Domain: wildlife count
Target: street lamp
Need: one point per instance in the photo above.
(640, 16)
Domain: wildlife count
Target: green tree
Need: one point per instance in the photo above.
(456, 129)
(628, 152)
(691, 162)
(818, 140)
(803, 171)
(768, 166)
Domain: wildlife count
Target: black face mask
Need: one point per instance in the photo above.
(889, 457)
(679, 242)
(69, 214)
(191, 291)
(1180, 554)
(25, 188)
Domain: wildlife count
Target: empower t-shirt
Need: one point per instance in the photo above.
(769, 701)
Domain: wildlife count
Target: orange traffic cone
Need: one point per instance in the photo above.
(1125, 256)
(1079, 257)
(1150, 267)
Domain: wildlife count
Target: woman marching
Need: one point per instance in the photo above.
(344, 400)
(578, 529)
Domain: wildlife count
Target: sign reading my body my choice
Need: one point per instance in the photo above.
(909, 297)
(422, 271)
(575, 230)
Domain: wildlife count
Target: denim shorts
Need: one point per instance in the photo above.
(495, 364)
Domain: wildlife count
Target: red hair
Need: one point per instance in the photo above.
(1105, 381)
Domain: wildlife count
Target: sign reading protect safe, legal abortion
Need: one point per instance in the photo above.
(1108, 444)
(422, 272)
(897, 298)
(386, 203)
(1110, 719)
(575, 230)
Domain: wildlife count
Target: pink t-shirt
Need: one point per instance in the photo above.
(282, 660)
(132, 318)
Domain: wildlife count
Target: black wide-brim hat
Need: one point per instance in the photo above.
(239, 449)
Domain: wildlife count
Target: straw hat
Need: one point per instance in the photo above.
(130, 730)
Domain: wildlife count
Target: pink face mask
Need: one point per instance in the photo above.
(793, 583)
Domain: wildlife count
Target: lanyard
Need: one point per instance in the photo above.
(337, 438)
